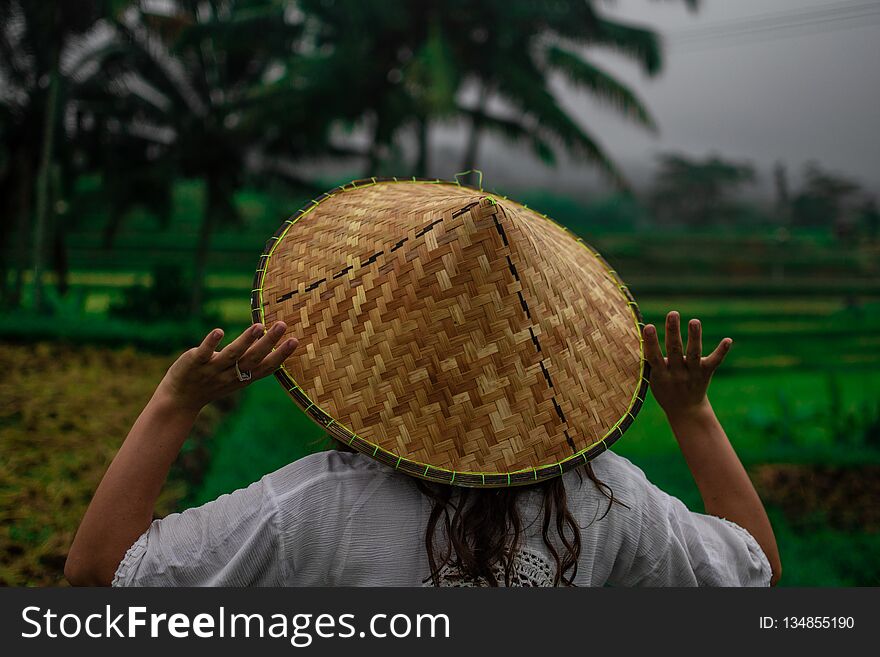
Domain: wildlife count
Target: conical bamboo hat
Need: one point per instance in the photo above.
(451, 333)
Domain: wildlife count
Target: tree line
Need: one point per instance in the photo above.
(697, 192)
(147, 92)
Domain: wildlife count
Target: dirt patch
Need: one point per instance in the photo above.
(842, 497)
(65, 411)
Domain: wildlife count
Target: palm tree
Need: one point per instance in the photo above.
(40, 69)
(513, 50)
(211, 88)
(405, 64)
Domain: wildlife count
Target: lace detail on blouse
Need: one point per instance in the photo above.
(530, 568)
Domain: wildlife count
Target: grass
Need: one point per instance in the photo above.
(812, 556)
(55, 447)
(267, 432)
(784, 355)
(802, 310)
(738, 398)
(157, 337)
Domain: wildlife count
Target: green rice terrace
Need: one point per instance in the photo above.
(798, 393)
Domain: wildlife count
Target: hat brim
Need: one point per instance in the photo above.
(634, 376)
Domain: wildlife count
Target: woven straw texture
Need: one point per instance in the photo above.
(452, 333)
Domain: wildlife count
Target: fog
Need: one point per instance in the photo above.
(753, 80)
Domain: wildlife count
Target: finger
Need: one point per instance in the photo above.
(262, 347)
(695, 343)
(234, 350)
(205, 350)
(274, 360)
(652, 346)
(713, 360)
(673, 340)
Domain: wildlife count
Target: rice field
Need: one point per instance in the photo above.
(797, 394)
(774, 397)
(63, 417)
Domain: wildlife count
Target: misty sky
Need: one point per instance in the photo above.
(755, 80)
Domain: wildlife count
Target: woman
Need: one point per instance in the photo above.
(289, 528)
(479, 361)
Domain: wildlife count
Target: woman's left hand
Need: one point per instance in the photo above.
(680, 381)
(202, 374)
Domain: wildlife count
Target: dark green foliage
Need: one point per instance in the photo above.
(156, 337)
(870, 218)
(166, 298)
(821, 556)
(198, 91)
(697, 192)
(616, 212)
(242, 90)
(266, 433)
(826, 199)
(871, 424)
(805, 422)
(599, 83)
(855, 425)
(787, 424)
(39, 152)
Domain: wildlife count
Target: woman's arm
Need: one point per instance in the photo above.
(679, 382)
(122, 507)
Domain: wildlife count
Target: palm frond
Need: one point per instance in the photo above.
(600, 83)
(638, 43)
(161, 61)
(527, 90)
(514, 131)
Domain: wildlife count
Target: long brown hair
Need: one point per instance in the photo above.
(483, 528)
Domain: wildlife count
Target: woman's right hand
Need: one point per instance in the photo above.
(680, 381)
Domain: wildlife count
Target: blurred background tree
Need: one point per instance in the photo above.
(211, 91)
(697, 192)
(826, 199)
(406, 64)
(234, 91)
(41, 62)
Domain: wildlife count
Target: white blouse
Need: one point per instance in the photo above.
(342, 519)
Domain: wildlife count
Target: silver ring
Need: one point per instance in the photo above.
(242, 376)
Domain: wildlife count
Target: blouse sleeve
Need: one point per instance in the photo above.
(232, 541)
(675, 546)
